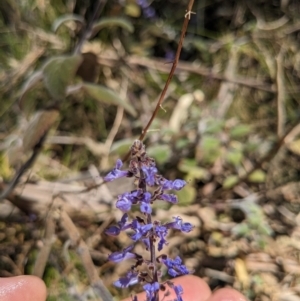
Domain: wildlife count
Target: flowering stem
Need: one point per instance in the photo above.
(143, 185)
(152, 233)
(152, 256)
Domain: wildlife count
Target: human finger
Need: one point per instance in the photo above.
(25, 288)
(226, 294)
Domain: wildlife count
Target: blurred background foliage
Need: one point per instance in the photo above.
(229, 126)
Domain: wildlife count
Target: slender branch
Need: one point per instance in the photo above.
(88, 30)
(164, 91)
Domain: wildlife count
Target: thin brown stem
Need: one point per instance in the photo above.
(187, 17)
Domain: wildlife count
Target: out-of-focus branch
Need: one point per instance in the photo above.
(160, 65)
(281, 114)
(13, 183)
(88, 30)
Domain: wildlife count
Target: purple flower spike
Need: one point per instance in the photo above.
(144, 229)
(116, 173)
(151, 289)
(130, 279)
(150, 173)
(122, 255)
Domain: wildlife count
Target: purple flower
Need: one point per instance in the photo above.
(166, 184)
(161, 232)
(142, 3)
(113, 231)
(130, 279)
(179, 225)
(122, 255)
(171, 198)
(178, 291)
(124, 202)
(116, 172)
(178, 184)
(175, 266)
(122, 225)
(150, 173)
(149, 12)
(151, 289)
(145, 203)
(175, 185)
(140, 231)
(146, 243)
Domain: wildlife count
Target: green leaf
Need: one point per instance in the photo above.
(211, 147)
(234, 157)
(214, 126)
(112, 22)
(161, 153)
(105, 95)
(258, 176)
(58, 72)
(186, 196)
(210, 143)
(31, 82)
(241, 229)
(181, 143)
(121, 147)
(240, 131)
(193, 171)
(65, 18)
(230, 181)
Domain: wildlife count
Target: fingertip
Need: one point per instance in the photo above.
(25, 288)
(227, 294)
(194, 288)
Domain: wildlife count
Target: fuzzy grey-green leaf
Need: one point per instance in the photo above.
(105, 95)
(65, 18)
(58, 72)
(113, 22)
(31, 82)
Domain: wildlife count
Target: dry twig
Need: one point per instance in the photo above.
(42, 258)
(84, 254)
